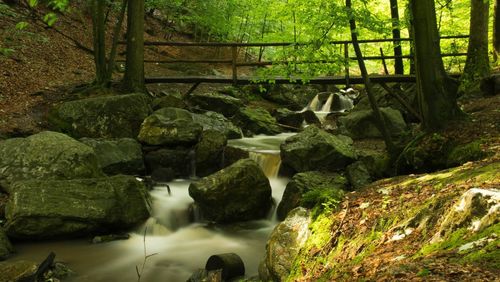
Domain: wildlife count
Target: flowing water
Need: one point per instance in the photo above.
(179, 245)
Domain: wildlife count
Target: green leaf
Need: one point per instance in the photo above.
(6, 51)
(50, 19)
(32, 3)
(21, 25)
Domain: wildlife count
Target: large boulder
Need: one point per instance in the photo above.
(46, 155)
(216, 102)
(257, 121)
(118, 156)
(358, 175)
(290, 118)
(237, 193)
(307, 189)
(315, 149)
(43, 209)
(6, 248)
(168, 101)
(217, 122)
(102, 117)
(209, 152)
(170, 126)
(167, 163)
(284, 245)
(361, 124)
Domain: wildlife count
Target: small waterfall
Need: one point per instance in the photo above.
(328, 104)
(270, 162)
(313, 105)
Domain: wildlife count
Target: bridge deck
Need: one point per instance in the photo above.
(281, 80)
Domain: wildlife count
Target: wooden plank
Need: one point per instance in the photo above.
(339, 80)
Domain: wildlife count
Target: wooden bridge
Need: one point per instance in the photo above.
(344, 79)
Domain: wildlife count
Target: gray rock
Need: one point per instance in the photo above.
(290, 118)
(284, 245)
(179, 161)
(6, 248)
(361, 124)
(216, 102)
(315, 149)
(311, 118)
(209, 153)
(170, 126)
(358, 175)
(307, 189)
(237, 193)
(43, 209)
(118, 156)
(217, 122)
(257, 121)
(169, 101)
(102, 117)
(46, 155)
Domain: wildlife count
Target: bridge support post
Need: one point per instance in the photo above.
(234, 51)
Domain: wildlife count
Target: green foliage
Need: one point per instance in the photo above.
(50, 19)
(21, 25)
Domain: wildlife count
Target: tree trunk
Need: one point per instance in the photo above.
(114, 46)
(496, 30)
(396, 34)
(437, 93)
(99, 37)
(477, 65)
(134, 68)
(379, 120)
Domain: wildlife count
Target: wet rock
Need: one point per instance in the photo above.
(315, 149)
(46, 155)
(230, 264)
(209, 153)
(233, 154)
(17, 271)
(217, 122)
(180, 161)
(162, 174)
(311, 118)
(290, 118)
(168, 101)
(169, 126)
(358, 175)
(116, 116)
(284, 245)
(203, 275)
(257, 121)
(6, 248)
(43, 209)
(216, 102)
(239, 192)
(361, 124)
(308, 189)
(118, 156)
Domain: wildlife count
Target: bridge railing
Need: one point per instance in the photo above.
(235, 62)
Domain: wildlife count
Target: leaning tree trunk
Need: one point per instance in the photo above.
(379, 120)
(477, 65)
(134, 68)
(396, 35)
(496, 30)
(437, 93)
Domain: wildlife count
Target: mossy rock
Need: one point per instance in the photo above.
(257, 121)
(46, 155)
(209, 152)
(361, 124)
(116, 116)
(216, 102)
(6, 248)
(290, 118)
(217, 122)
(461, 154)
(169, 101)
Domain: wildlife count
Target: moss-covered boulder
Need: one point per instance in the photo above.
(168, 101)
(209, 152)
(315, 149)
(361, 124)
(311, 118)
(290, 118)
(433, 151)
(284, 245)
(216, 102)
(257, 121)
(46, 155)
(6, 248)
(118, 156)
(102, 117)
(44, 209)
(17, 271)
(237, 193)
(308, 189)
(219, 123)
(358, 175)
(170, 126)
(171, 162)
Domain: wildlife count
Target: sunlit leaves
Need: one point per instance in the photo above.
(50, 19)
(21, 25)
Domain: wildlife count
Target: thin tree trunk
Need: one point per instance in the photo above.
(477, 65)
(379, 120)
(134, 69)
(396, 34)
(437, 93)
(116, 35)
(97, 8)
(496, 30)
